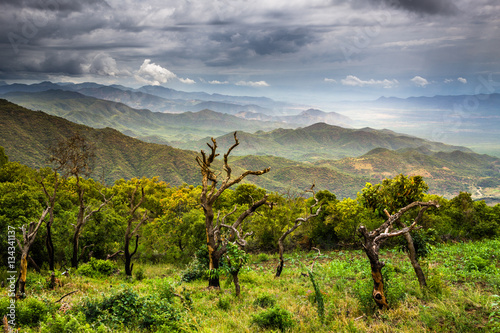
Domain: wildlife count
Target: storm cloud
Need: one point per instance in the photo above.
(367, 46)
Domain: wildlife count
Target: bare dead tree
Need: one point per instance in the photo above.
(210, 193)
(129, 233)
(373, 240)
(29, 237)
(412, 253)
(297, 223)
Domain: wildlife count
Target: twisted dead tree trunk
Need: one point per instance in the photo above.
(298, 222)
(412, 253)
(210, 193)
(373, 240)
(29, 237)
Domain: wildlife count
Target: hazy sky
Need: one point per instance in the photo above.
(296, 50)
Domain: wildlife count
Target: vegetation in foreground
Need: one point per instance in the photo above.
(463, 284)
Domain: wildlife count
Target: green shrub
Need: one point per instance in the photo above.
(476, 263)
(119, 308)
(198, 267)
(265, 301)
(97, 267)
(31, 311)
(67, 323)
(262, 257)
(273, 318)
(126, 308)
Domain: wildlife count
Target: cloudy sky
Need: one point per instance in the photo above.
(295, 50)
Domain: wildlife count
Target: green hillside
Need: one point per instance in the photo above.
(321, 141)
(27, 135)
(146, 125)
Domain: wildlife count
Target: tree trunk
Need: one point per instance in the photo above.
(279, 269)
(412, 254)
(236, 282)
(414, 261)
(213, 281)
(74, 258)
(50, 246)
(378, 285)
(128, 256)
(24, 272)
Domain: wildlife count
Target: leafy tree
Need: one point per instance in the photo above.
(74, 157)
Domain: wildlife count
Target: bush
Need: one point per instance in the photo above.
(126, 308)
(68, 323)
(31, 311)
(97, 267)
(198, 267)
(273, 318)
(262, 257)
(264, 301)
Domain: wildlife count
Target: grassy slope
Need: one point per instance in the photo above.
(459, 297)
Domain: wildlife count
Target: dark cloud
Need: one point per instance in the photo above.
(55, 5)
(441, 7)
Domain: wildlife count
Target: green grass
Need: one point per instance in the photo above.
(463, 280)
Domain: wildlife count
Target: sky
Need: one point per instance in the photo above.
(304, 51)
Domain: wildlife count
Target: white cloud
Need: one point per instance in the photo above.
(153, 74)
(420, 81)
(330, 80)
(253, 83)
(448, 80)
(187, 81)
(462, 80)
(218, 82)
(351, 80)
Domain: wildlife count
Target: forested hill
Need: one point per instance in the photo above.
(141, 123)
(322, 141)
(27, 135)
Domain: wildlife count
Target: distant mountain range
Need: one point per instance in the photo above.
(320, 141)
(144, 124)
(26, 136)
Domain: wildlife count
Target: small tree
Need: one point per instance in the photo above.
(29, 237)
(375, 238)
(73, 157)
(209, 195)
